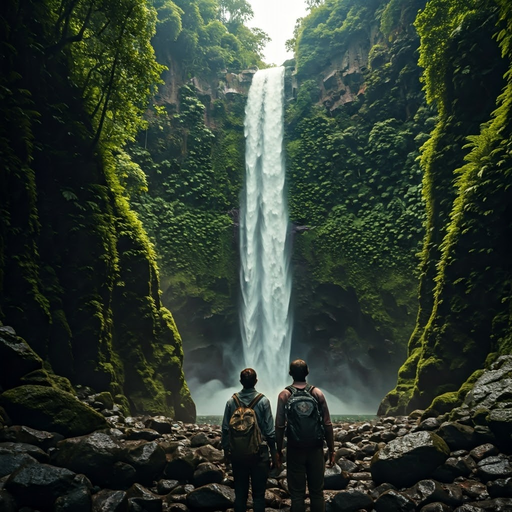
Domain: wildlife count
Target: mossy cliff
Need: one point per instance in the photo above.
(78, 276)
(353, 137)
(464, 317)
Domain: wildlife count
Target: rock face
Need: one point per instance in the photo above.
(408, 459)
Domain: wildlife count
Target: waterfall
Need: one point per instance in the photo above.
(265, 278)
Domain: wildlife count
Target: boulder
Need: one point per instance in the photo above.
(145, 434)
(16, 358)
(483, 451)
(98, 456)
(430, 491)
(495, 505)
(141, 499)
(207, 473)
(23, 434)
(181, 464)
(351, 500)
(159, 423)
(500, 488)
(148, 459)
(209, 454)
(107, 500)
(493, 468)
(436, 507)
(166, 486)
(47, 408)
(39, 485)
(10, 462)
(199, 440)
(394, 501)
(211, 497)
(457, 436)
(7, 502)
(335, 478)
(78, 500)
(409, 459)
(452, 468)
(10, 447)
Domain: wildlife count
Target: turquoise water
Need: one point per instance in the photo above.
(336, 418)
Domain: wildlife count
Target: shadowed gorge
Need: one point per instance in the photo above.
(122, 221)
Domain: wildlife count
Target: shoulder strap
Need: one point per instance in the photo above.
(237, 400)
(255, 400)
(291, 389)
(309, 388)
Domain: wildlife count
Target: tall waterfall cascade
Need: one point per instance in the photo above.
(265, 277)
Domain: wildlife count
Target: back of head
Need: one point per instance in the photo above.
(248, 378)
(299, 370)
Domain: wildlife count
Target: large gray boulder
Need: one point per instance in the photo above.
(409, 459)
(335, 478)
(351, 500)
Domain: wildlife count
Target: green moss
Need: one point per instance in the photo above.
(48, 408)
(123, 403)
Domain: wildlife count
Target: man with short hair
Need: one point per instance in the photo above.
(255, 468)
(304, 460)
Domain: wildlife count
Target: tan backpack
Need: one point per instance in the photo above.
(244, 433)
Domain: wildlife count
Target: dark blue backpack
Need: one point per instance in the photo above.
(304, 421)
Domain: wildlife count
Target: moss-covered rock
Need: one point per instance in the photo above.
(48, 408)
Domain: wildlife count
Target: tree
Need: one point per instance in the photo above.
(235, 12)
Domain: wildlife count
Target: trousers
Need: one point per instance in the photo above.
(302, 464)
(254, 473)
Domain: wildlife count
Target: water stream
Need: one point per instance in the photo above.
(265, 279)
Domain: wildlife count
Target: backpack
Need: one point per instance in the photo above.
(305, 427)
(244, 432)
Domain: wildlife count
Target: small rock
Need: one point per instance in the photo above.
(207, 473)
(212, 497)
(109, 501)
(335, 478)
(351, 500)
(394, 501)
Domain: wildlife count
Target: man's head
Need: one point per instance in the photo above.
(248, 378)
(299, 370)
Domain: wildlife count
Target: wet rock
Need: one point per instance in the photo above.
(347, 465)
(148, 459)
(406, 460)
(78, 500)
(429, 424)
(272, 500)
(436, 507)
(141, 499)
(501, 488)
(452, 468)
(473, 489)
(394, 501)
(47, 408)
(335, 478)
(496, 505)
(351, 500)
(144, 434)
(159, 423)
(199, 440)
(39, 485)
(10, 462)
(211, 497)
(181, 464)
(430, 491)
(457, 436)
(33, 451)
(166, 486)
(99, 456)
(381, 489)
(500, 423)
(23, 434)
(107, 500)
(483, 451)
(177, 507)
(493, 468)
(209, 453)
(207, 473)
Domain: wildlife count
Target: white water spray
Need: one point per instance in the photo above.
(265, 278)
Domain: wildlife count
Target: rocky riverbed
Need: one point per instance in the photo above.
(456, 462)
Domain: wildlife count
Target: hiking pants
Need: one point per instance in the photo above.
(302, 463)
(257, 473)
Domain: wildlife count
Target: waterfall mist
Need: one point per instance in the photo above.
(265, 278)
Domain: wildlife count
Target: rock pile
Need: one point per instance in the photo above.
(156, 464)
(457, 462)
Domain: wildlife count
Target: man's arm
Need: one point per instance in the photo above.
(281, 420)
(267, 428)
(328, 429)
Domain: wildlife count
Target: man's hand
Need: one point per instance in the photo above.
(330, 460)
(279, 460)
(227, 457)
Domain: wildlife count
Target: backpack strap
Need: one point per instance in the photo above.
(309, 388)
(237, 400)
(255, 400)
(291, 389)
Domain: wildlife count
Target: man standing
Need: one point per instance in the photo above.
(253, 467)
(302, 411)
